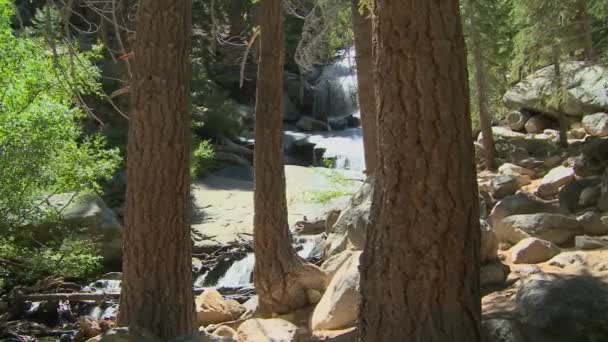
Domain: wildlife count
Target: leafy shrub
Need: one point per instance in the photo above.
(42, 148)
(203, 159)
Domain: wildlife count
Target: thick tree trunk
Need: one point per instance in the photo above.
(281, 278)
(157, 293)
(420, 267)
(362, 27)
(485, 122)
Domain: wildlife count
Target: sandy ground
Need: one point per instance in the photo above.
(224, 202)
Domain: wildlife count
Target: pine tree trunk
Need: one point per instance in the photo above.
(281, 277)
(420, 267)
(561, 93)
(157, 291)
(485, 121)
(362, 27)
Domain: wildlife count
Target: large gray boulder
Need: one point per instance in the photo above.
(520, 203)
(555, 228)
(566, 308)
(88, 211)
(596, 124)
(585, 85)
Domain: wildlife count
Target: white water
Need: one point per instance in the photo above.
(239, 273)
(104, 313)
(336, 88)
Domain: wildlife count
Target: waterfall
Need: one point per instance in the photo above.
(239, 274)
(335, 91)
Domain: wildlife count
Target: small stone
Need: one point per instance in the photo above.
(503, 186)
(555, 179)
(267, 330)
(225, 331)
(212, 308)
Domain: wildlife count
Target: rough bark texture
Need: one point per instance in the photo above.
(362, 27)
(559, 85)
(157, 291)
(420, 267)
(281, 278)
(481, 83)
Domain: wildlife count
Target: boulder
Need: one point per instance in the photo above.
(350, 229)
(566, 308)
(489, 243)
(587, 242)
(592, 223)
(585, 86)
(580, 194)
(337, 309)
(493, 274)
(87, 210)
(501, 330)
(308, 124)
(225, 331)
(503, 186)
(267, 330)
(520, 203)
(509, 169)
(517, 119)
(555, 179)
(555, 228)
(533, 251)
(212, 308)
(596, 124)
(537, 124)
(577, 133)
(332, 264)
(569, 259)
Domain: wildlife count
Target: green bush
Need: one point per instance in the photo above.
(43, 149)
(203, 159)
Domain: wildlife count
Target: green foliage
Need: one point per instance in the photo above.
(489, 22)
(42, 147)
(203, 159)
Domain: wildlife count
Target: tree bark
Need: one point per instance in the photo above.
(362, 28)
(157, 294)
(481, 83)
(282, 279)
(420, 267)
(561, 93)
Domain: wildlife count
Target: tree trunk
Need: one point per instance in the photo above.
(236, 18)
(420, 267)
(485, 122)
(362, 27)
(561, 93)
(157, 293)
(281, 279)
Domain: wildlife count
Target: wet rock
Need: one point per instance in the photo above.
(555, 228)
(596, 124)
(267, 330)
(533, 251)
(212, 308)
(555, 179)
(337, 309)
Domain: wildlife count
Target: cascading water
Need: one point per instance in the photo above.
(335, 91)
